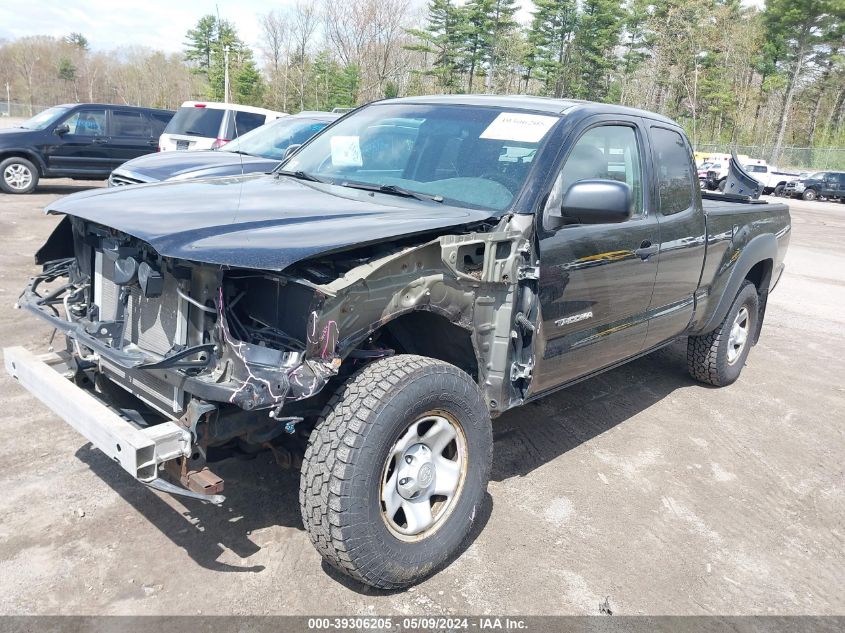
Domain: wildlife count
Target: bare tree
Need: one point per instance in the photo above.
(370, 34)
(304, 22)
(274, 38)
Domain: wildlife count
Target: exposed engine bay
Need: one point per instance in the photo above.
(237, 354)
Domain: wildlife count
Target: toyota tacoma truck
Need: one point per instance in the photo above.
(413, 271)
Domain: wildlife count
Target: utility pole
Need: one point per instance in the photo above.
(226, 74)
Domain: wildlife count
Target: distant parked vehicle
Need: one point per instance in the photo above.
(822, 184)
(83, 141)
(210, 125)
(258, 151)
(772, 179)
(717, 171)
(702, 173)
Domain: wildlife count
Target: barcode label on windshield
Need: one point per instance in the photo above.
(515, 126)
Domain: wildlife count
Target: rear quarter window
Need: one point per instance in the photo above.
(246, 121)
(130, 123)
(204, 122)
(159, 121)
(673, 170)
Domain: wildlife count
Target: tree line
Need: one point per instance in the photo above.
(729, 73)
(43, 71)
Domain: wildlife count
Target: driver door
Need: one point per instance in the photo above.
(82, 149)
(596, 280)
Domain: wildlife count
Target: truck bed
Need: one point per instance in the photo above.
(719, 203)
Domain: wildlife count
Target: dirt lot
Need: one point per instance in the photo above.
(640, 485)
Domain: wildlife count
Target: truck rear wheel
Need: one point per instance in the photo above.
(717, 358)
(396, 470)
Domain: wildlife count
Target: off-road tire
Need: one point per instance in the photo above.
(707, 355)
(721, 185)
(778, 191)
(810, 195)
(339, 491)
(20, 163)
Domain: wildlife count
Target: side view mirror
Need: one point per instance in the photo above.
(61, 130)
(291, 150)
(593, 202)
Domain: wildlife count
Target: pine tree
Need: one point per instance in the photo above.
(475, 32)
(501, 25)
(200, 44)
(441, 39)
(636, 41)
(597, 36)
(78, 40)
(552, 30)
(248, 87)
(801, 31)
(205, 47)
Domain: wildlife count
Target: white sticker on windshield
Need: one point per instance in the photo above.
(515, 126)
(346, 151)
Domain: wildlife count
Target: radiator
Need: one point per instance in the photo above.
(153, 324)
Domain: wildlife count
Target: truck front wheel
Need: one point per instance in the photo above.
(717, 358)
(396, 470)
(809, 194)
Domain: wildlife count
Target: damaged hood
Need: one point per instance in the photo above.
(258, 221)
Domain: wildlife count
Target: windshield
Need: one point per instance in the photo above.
(271, 140)
(819, 175)
(44, 119)
(467, 155)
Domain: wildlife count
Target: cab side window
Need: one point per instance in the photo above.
(87, 123)
(673, 167)
(607, 152)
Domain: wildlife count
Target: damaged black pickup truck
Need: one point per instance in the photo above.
(419, 267)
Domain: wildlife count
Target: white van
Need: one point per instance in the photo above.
(209, 125)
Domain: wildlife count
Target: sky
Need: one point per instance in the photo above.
(157, 24)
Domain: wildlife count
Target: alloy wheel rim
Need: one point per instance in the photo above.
(423, 476)
(739, 335)
(17, 176)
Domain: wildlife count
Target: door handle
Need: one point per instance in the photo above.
(646, 250)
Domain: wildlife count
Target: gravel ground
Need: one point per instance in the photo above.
(663, 495)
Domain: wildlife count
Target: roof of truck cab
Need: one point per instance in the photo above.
(528, 102)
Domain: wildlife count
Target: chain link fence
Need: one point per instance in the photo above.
(18, 110)
(797, 158)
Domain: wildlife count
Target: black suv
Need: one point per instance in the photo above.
(822, 184)
(80, 141)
